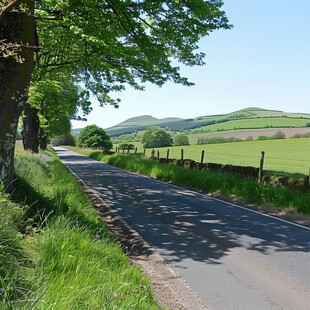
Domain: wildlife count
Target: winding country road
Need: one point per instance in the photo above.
(232, 257)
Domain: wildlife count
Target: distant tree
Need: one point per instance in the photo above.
(250, 138)
(126, 146)
(94, 136)
(181, 139)
(156, 137)
(262, 138)
(68, 139)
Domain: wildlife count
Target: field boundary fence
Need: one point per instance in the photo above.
(264, 166)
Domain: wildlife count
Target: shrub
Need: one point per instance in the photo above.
(215, 140)
(297, 135)
(249, 138)
(94, 136)
(262, 138)
(306, 135)
(278, 135)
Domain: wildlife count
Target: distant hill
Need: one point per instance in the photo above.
(138, 120)
(140, 123)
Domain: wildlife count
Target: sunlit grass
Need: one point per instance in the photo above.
(66, 259)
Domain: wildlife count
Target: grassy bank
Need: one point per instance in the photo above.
(56, 252)
(227, 184)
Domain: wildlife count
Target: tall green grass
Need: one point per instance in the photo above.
(227, 184)
(56, 253)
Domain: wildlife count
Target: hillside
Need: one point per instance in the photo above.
(250, 118)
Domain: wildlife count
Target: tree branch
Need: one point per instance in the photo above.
(9, 7)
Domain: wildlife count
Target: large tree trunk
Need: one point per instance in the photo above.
(43, 138)
(14, 83)
(30, 132)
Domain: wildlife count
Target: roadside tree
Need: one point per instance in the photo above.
(94, 136)
(104, 44)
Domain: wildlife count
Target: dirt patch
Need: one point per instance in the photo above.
(243, 134)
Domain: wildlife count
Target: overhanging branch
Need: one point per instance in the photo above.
(9, 7)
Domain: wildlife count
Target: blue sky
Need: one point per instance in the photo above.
(264, 61)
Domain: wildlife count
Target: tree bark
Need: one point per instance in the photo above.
(15, 77)
(30, 132)
(43, 138)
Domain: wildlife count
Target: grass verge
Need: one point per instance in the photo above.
(228, 184)
(56, 252)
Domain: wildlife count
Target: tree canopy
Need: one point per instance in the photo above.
(181, 139)
(104, 45)
(94, 136)
(156, 137)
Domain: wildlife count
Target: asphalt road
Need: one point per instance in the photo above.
(234, 258)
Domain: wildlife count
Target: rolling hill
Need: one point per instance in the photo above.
(250, 118)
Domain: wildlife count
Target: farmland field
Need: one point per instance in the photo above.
(276, 122)
(287, 155)
(244, 133)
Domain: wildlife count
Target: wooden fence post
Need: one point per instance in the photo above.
(144, 152)
(202, 156)
(136, 150)
(153, 153)
(261, 166)
(182, 154)
(157, 153)
(167, 154)
(128, 151)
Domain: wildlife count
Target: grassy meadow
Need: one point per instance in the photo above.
(256, 123)
(56, 252)
(283, 155)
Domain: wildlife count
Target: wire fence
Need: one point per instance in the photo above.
(275, 162)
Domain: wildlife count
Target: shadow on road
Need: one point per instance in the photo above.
(182, 223)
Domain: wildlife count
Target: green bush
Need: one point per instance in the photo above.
(94, 136)
(249, 138)
(297, 135)
(278, 135)
(215, 140)
(259, 138)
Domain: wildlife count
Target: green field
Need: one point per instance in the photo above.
(255, 112)
(257, 123)
(287, 155)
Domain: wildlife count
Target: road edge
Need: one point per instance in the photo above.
(170, 290)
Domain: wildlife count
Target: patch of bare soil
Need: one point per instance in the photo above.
(169, 289)
(289, 132)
